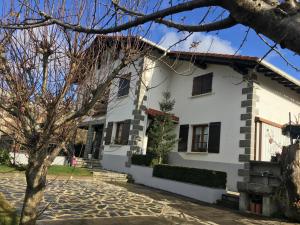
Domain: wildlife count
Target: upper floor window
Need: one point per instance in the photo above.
(200, 138)
(202, 84)
(124, 85)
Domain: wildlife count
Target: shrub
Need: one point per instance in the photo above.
(203, 177)
(4, 157)
(150, 159)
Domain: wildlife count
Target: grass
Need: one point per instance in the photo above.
(7, 169)
(8, 215)
(53, 170)
(68, 170)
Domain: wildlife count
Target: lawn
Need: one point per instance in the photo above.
(7, 169)
(68, 170)
(8, 215)
(54, 170)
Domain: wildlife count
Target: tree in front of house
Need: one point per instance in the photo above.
(50, 79)
(162, 137)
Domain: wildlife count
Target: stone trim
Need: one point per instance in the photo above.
(138, 119)
(248, 104)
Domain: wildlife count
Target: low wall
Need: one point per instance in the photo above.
(114, 163)
(143, 175)
(175, 159)
(22, 158)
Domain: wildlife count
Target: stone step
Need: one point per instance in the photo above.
(87, 163)
(104, 175)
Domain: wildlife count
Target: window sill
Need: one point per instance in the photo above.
(196, 153)
(121, 97)
(202, 95)
(115, 145)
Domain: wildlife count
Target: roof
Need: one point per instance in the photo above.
(239, 63)
(154, 113)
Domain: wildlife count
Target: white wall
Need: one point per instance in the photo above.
(274, 104)
(143, 175)
(276, 101)
(222, 105)
(119, 109)
(22, 158)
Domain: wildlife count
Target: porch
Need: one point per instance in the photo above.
(91, 135)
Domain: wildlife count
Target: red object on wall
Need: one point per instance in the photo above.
(258, 208)
(154, 112)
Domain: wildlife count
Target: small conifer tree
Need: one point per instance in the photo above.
(162, 137)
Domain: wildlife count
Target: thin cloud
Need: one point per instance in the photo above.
(197, 42)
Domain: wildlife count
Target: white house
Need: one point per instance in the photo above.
(230, 110)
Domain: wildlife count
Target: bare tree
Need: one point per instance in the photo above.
(49, 80)
(276, 19)
(45, 57)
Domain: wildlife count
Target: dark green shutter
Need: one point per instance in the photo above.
(206, 83)
(125, 132)
(214, 137)
(108, 133)
(183, 138)
(202, 84)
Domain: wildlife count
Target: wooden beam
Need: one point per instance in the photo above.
(278, 78)
(270, 74)
(240, 69)
(201, 65)
(269, 122)
(262, 69)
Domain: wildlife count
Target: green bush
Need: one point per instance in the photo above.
(4, 157)
(203, 177)
(150, 159)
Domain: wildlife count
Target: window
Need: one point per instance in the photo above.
(202, 84)
(200, 138)
(119, 130)
(124, 85)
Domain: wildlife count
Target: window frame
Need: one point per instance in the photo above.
(201, 89)
(202, 126)
(118, 132)
(122, 89)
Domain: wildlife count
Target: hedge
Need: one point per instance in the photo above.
(203, 177)
(144, 160)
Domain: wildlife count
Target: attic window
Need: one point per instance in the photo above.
(202, 84)
(124, 85)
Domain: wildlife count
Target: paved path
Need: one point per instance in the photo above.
(101, 202)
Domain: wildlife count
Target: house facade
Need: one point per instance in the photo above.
(229, 110)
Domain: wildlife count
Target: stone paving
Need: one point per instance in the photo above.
(77, 200)
(89, 199)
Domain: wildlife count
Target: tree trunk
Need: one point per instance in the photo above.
(36, 183)
(291, 180)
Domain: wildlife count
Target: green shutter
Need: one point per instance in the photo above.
(125, 132)
(183, 138)
(108, 133)
(214, 137)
